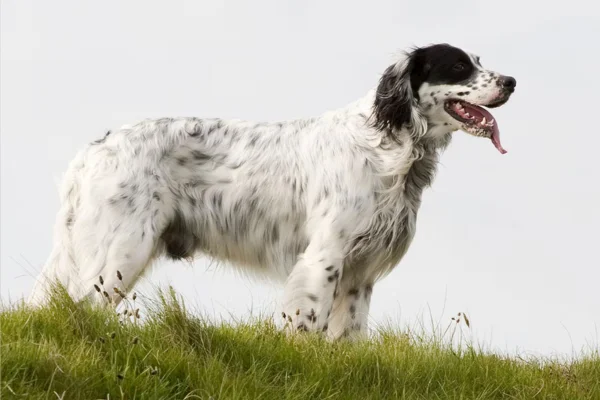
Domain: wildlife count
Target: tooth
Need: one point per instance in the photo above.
(491, 122)
(483, 121)
(467, 115)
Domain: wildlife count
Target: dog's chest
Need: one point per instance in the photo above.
(391, 233)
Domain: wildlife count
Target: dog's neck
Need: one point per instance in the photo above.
(408, 161)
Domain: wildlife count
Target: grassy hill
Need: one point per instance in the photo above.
(75, 351)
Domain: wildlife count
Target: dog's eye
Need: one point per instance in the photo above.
(459, 67)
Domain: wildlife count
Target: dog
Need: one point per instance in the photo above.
(328, 205)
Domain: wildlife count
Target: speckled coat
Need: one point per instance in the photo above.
(327, 205)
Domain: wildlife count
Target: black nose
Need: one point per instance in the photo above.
(508, 82)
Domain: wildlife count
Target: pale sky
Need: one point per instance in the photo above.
(511, 240)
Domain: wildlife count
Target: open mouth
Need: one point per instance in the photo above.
(475, 120)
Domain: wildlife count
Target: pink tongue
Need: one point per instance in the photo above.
(495, 130)
(496, 138)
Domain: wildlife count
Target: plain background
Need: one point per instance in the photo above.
(512, 240)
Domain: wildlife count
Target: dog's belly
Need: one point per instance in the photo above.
(267, 248)
(259, 228)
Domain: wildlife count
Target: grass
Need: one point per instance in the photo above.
(76, 351)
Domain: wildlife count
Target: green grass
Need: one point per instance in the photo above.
(76, 351)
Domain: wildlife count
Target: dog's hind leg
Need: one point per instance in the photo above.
(114, 233)
(119, 252)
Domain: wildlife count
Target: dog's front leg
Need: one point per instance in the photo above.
(313, 283)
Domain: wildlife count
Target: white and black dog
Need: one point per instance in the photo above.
(326, 204)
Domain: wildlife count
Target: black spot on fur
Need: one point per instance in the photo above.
(200, 156)
(353, 292)
(218, 125)
(69, 221)
(302, 327)
(368, 291)
(313, 297)
(100, 141)
(330, 268)
(333, 277)
(218, 200)
(197, 128)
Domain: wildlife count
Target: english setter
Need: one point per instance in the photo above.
(326, 204)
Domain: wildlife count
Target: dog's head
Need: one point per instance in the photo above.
(443, 87)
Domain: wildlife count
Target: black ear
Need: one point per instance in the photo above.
(395, 104)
